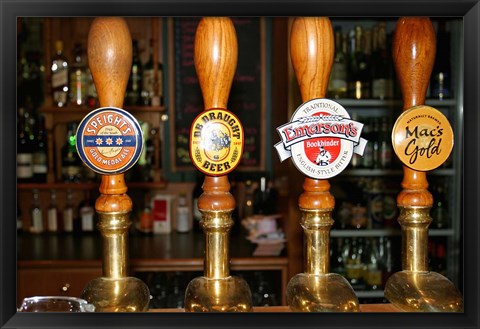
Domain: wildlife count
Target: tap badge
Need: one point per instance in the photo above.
(422, 138)
(109, 140)
(216, 142)
(320, 138)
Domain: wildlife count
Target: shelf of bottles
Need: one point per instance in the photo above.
(363, 81)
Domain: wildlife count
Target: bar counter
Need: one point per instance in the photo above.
(367, 308)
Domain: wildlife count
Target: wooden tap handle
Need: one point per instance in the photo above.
(110, 59)
(414, 46)
(110, 62)
(216, 53)
(215, 56)
(413, 55)
(312, 50)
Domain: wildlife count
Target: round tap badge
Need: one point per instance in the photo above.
(320, 138)
(109, 140)
(216, 142)
(422, 138)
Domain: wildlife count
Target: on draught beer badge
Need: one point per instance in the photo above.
(320, 138)
(216, 142)
(109, 140)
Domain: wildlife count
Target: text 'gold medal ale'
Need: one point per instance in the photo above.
(316, 290)
(415, 288)
(215, 56)
(109, 57)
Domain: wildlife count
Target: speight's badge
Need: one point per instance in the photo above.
(320, 138)
(216, 142)
(109, 140)
(422, 138)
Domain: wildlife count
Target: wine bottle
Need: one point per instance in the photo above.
(440, 87)
(59, 71)
(183, 215)
(25, 147)
(152, 81)
(134, 86)
(87, 213)
(68, 216)
(36, 213)
(78, 77)
(40, 158)
(52, 213)
(337, 86)
(71, 162)
(197, 191)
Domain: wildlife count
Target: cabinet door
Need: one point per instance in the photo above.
(54, 281)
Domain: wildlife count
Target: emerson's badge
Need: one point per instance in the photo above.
(109, 140)
(216, 142)
(320, 138)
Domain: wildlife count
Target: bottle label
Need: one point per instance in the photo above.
(24, 165)
(320, 138)
(37, 221)
(40, 163)
(379, 88)
(68, 220)
(52, 220)
(87, 214)
(216, 142)
(422, 138)
(182, 219)
(59, 78)
(109, 140)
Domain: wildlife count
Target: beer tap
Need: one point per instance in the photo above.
(415, 288)
(316, 290)
(216, 145)
(109, 141)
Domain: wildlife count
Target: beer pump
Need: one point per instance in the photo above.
(109, 141)
(423, 139)
(216, 145)
(316, 290)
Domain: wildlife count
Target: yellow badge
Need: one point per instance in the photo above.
(422, 138)
(216, 142)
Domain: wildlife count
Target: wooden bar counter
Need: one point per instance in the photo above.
(367, 308)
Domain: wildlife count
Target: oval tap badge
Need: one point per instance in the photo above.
(109, 140)
(422, 138)
(216, 142)
(320, 138)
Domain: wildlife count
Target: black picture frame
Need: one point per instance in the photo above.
(468, 9)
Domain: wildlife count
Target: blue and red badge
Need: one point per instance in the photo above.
(109, 140)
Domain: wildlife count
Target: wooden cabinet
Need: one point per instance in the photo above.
(55, 278)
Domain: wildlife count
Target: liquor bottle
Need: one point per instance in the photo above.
(388, 267)
(337, 87)
(263, 295)
(440, 211)
(183, 214)
(373, 267)
(367, 159)
(142, 169)
(265, 198)
(59, 70)
(152, 81)
(52, 213)
(376, 143)
(68, 216)
(440, 87)
(382, 67)
(359, 72)
(197, 191)
(92, 97)
(25, 147)
(71, 162)
(385, 145)
(375, 205)
(36, 213)
(78, 77)
(145, 216)
(248, 201)
(87, 213)
(40, 158)
(353, 265)
(134, 86)
(176, 295)
(356, 161)
(337, 262)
